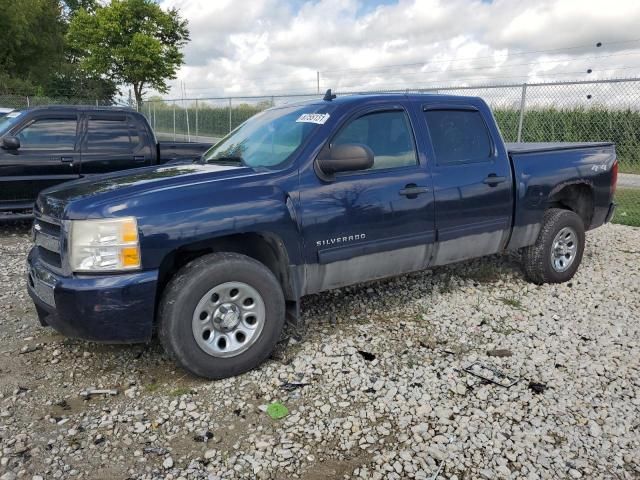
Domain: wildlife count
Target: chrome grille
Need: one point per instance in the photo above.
(47, 235)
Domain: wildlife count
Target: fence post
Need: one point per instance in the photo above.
(197, 139)
(174, 121)
(522, 106)
(154, 116)
(186, 111)
(229, 114)
(28, 104)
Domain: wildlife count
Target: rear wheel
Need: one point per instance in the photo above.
(221, 315)
(557, 253)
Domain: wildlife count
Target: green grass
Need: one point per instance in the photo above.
(628, 209)
(594, 124)
(151, 387)
(180, 391)
(512, 302)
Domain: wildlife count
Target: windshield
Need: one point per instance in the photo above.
(268, 139)
(8, 120)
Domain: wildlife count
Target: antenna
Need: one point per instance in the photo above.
(329, 96)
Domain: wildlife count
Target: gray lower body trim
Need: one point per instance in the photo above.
(363, 268)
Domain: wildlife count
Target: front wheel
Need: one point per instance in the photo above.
(557, 253)
(221, 315)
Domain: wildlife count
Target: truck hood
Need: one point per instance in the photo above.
(53, 201)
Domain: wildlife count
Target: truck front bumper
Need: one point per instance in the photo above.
(116, 308)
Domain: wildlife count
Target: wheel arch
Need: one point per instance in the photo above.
(577, 197)
(266, 247)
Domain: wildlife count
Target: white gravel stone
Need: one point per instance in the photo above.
(402, 415)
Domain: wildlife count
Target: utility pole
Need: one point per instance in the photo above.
(318, 80)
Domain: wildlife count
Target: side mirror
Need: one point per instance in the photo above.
(344, 158)
(11, 143)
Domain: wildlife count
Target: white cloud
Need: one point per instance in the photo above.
(271, 46)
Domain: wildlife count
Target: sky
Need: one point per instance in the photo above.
(264, 47)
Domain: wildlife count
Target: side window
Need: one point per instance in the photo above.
(458, 136)
(109, 134)
(50, 134)
(387, 134)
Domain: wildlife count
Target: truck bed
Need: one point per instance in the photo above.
(537, 147)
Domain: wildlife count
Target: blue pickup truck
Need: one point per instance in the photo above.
(215, 255)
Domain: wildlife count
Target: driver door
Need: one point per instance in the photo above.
(373, 223)
(48, 155)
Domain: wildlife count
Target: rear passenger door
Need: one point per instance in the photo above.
(472, 183)
(114, 141)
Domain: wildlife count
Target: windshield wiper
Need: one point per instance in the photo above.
(228, 159)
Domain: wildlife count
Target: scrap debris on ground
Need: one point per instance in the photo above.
(374, 389)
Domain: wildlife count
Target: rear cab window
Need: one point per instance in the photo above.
(458, 136)
(114, 133)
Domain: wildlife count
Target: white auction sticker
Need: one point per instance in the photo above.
(319, 118)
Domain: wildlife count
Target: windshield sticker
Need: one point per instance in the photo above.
(319, 118)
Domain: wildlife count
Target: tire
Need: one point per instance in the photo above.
(539, 260)
(221, 352)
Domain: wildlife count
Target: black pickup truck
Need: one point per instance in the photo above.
(44, 146)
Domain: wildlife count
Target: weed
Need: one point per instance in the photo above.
(152, 387)
(512, 302)
(178, 392)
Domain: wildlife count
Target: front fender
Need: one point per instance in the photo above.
(184, 218)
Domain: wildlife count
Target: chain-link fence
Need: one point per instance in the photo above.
(580, 111)
(26, 101)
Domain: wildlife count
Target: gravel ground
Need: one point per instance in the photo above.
(375, 385)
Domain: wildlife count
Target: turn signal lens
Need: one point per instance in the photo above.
(130, 257)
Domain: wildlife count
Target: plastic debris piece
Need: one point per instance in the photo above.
(291, 386)
(537, 387)
(500, 352)
(369, 357)
(276, 411)
(89, 393)
(157, 450)
(491, 374)
(435, 475)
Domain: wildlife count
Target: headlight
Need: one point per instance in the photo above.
(104, 245)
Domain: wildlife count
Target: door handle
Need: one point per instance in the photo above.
(492, 180)
(138, 159)
(66, 159)
(412, 190)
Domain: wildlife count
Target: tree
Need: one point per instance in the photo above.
(32, 42)
(130, 41)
